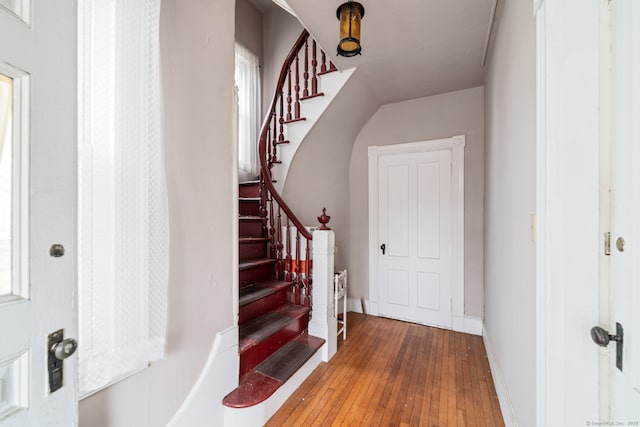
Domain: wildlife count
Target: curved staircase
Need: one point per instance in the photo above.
(275, 248)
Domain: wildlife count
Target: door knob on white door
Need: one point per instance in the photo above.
(65, 348)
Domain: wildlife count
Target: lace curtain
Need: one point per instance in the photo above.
(247, 76)
(123, 216)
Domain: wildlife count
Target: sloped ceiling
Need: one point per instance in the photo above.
(410, 48)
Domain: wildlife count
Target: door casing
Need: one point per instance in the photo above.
(456, 144)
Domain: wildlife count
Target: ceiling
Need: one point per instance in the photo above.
(410, 48)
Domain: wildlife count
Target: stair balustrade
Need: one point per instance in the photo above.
(289, 241)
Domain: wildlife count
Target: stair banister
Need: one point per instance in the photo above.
(265, 171)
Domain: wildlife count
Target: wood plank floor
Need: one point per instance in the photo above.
(392, 373)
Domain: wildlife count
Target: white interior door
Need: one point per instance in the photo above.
(625, 213)
(415, 218)
(37, 210)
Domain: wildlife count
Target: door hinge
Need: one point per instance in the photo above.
(607, 243)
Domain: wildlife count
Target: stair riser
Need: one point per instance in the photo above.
(249, 208)
(250, 190)
(255, 355)
(251, 228)
(256, 274)
(253, 250)
(262, 306)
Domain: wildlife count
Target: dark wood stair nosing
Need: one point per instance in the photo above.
(254, 263)
(315, 95)
(269, 324)
(299, 119)
(262, 290)
(256, 386)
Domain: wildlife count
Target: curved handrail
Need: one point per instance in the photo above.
(263, 146)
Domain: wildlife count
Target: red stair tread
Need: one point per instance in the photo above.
(261, 290)
(246, 265)
(269, 324)
(254, 388)
(259, 385)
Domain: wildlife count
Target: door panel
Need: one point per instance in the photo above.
(37, 207)
(625, 211)
(415, 226)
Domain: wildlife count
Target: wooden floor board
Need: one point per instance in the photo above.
(393, 373)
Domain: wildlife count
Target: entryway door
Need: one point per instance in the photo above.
(415, 262)
(624, 399)
(38, 128)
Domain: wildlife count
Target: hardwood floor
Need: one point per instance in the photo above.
(392, 373)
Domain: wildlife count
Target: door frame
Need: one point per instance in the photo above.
(456, 145)
(571, 88)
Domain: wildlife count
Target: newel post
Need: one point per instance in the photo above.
(323, 324)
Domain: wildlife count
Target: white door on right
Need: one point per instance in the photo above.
(625, 215)
(415, 234)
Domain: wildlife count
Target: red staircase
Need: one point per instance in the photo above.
(275, 249)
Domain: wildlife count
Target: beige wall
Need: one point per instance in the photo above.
(422, 119)
(197, 46)
(249, 27)
(280, 31)
(510, 199)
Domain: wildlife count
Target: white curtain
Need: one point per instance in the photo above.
(123, 216)
(247, 75)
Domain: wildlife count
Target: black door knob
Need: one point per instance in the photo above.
(602, 337)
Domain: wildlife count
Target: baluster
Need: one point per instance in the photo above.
(296, 109)
(323, 64)
(314, 66)
(298, 262)
(280, 266)
(307, 276)
(272, 230)
(287, 262)
(289, 99)
(281, 134)
(267, 146)
(305, 92)
(274, 134)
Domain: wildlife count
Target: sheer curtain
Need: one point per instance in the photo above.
(123, 216)
(247, 76)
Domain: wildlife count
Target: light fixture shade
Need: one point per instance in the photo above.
(350, 14)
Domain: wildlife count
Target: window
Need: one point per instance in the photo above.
(247, 76)
(123, 231)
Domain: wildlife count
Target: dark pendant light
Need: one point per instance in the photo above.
(350, 14)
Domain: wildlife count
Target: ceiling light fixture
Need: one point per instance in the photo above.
(350, 14)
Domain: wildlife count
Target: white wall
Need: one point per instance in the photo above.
(319, 173)
(197, 45)
(422, 119)
(510, 195)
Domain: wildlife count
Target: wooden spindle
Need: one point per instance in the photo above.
(296, 109)
(314, 70)
(272, 230)
(298, 262)
(305, 92)
(307, 276)
(281, 121)
(323, 63)
(279, 267)
(289, 98)
(287, 262)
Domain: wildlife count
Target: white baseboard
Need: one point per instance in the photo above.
(203, 405)
(356, 305)
(472, 325)
(498, 380)
(467, 324)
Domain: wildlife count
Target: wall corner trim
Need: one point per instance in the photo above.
(506, 407)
